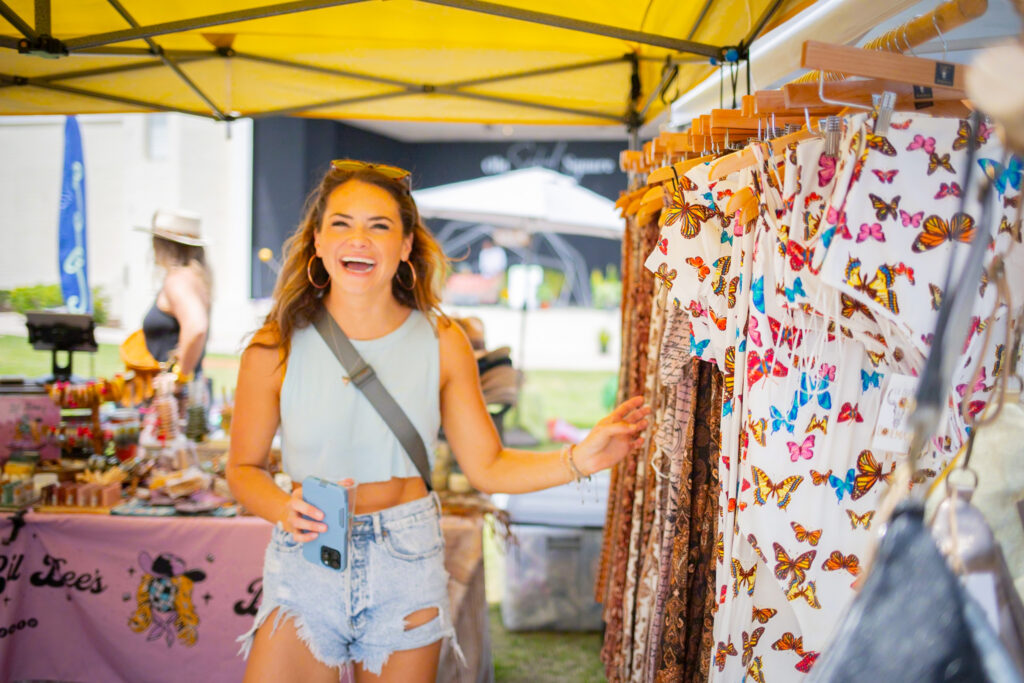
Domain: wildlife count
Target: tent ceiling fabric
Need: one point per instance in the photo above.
(427, 60)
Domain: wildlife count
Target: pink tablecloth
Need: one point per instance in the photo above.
(74, 605)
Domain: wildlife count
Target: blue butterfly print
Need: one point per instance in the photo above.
(710, 198)
(814, 388)
(743, 345)
(697, 347)
(826, 237)
(726, 236)
(779, 420)
(869, 380)
(757, 294)
(843, 486)
(727, 408)
(1010, 175)
(796, 289)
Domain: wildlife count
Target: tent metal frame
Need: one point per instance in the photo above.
(38, 41)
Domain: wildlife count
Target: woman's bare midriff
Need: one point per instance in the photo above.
(380, 495)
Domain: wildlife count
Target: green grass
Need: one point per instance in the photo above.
(576, 397)
(544, 657)
(17, 357)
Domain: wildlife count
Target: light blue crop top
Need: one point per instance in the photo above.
(328, 427)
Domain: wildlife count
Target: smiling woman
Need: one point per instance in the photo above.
(361, 268)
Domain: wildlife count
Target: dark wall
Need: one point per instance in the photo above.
(290, 155)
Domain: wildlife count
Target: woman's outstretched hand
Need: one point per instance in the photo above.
(613, 437)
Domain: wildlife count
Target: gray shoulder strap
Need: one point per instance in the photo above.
(366, 380)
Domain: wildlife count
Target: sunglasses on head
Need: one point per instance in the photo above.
(393, 172)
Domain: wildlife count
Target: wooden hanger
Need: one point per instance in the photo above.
(855, 61)
(664, 174)
(733, 162)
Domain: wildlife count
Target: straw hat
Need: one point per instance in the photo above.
(176, 225)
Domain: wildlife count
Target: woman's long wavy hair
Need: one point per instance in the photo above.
(296, 301)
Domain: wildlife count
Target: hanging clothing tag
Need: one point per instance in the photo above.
(892, 432)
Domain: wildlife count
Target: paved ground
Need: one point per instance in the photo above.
(548, 339)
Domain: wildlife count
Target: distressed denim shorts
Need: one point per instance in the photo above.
(395, 568)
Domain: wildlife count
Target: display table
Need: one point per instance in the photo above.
(89, 598)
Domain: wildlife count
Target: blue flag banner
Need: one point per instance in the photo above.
(74, 274)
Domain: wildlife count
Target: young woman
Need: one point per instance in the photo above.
(179, 320)
(362, 256)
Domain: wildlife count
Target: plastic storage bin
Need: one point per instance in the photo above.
(551, 568)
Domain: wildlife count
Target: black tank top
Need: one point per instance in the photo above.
(161, 330)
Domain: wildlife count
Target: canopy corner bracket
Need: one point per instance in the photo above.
(43, 45)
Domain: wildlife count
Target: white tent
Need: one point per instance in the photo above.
(531, 199)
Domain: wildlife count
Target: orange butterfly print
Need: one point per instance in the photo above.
(757, 428)
(1012, 228)
(749, 643)
(720, 322)
(692, 216)
(722, 651)
(806, 592)
(963, 135)
(666, 276)
(743, 577)
(817, 423)
(936, 162)
(755, 672)
(764, 488)
(698, 264)
(763, 615)
(850, 306)
(869, 473)
(881, 144)
(807, 535)
(752, 540)
(960, 228)
(884, 209)
(819, 478)
(837, 561)
(788, 641)
(860, 520)
(795, 566)
(720, 546)
(936, 293)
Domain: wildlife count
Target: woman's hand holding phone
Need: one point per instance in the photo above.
(303, 521)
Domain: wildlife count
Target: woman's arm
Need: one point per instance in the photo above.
(256, 417)
(474, 440)
(183, 289)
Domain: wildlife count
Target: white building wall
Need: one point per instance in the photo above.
(134, 164)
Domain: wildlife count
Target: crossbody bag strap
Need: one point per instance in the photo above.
(366, 380)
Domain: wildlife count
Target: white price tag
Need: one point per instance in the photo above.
(892, 432)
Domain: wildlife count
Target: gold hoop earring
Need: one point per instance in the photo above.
(414, 277)
(309, 274)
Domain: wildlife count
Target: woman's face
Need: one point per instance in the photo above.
(360, 240)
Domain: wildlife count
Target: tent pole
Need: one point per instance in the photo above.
(98, 39)
(288, 111)
(700, 19)
(323, 70)
(761, 22)
(22, 81)
(168, 62)
(11, 16)
(121, 68)
(579, 25)
(43, 17)
(537, 72)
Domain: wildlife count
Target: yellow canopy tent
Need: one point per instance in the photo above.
(572, 62)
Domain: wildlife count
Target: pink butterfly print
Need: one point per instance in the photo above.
(921, 142)
(978, 386)
(696, 310)
(826, 170)
(984, 132)
(752, 332)
(663, 245)
(949, 190)
(803, 450)
(911, 221)
(873, 231)
(827, 370)
(886, 176)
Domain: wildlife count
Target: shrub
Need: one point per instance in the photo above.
(41, 297)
